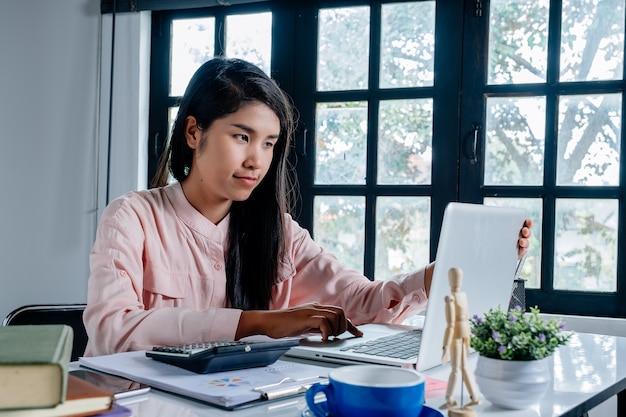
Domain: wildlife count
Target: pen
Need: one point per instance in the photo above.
(520, 264)
(285, 392)
(275, 390)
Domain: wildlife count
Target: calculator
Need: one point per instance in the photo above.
(223, 355)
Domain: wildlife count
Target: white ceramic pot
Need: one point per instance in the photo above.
(513, 384)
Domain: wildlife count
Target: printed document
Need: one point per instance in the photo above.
(224, 389)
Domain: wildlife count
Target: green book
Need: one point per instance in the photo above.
(34, 363)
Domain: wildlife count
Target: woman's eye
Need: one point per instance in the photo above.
(242, 137)
(270, 144)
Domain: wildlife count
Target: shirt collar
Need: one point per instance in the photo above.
(192, 217)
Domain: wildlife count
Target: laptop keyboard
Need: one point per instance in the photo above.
(403, 345)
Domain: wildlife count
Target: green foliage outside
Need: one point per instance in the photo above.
(588, 128)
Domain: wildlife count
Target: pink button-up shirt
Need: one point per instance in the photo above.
(158, 277)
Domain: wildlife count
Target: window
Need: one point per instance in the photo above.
(545, 116)
(373, 134)
(407, 105)
(367, 146)
(184, 40)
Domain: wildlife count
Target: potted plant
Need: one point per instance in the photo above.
(514, 347)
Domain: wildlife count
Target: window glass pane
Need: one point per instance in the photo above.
(586, 245)
(531, 271)
(338, 227)
(249, 37)
(589, 139)
(172, 112)
(402, 235)
(171, 118)
(343, 49)
(192, 45)
(515, 141)
(592, 40)
(405, 141)
(407, 44)
(341, 145)
(518, 41)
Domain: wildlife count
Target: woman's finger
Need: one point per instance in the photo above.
(353, 329)
(335, 316)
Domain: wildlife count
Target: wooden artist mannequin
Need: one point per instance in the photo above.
(456, 344)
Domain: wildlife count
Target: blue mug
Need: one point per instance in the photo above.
(369, 391)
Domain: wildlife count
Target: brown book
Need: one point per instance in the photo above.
(83, 399)
(33, 365)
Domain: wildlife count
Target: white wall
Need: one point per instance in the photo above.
(54, 55)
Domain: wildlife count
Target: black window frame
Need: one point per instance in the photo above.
(293, 66)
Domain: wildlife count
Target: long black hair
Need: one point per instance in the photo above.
(220, 87)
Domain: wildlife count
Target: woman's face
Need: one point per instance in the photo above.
(232, 156)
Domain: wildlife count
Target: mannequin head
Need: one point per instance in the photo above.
(455, 278)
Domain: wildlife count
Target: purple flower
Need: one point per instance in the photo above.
(501, 349)
(513, 319)
(495, 335)
(562, 326)
(478, 319)
(518, 308)
(542, 337)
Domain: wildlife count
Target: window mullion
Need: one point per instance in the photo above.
(369, 252)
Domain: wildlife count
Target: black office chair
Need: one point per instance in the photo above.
(69, 314)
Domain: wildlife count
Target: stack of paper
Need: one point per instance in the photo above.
(223, 389)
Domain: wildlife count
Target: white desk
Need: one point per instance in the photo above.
(586, 372)
(591, 369)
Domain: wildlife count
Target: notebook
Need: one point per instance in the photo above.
(479, 239)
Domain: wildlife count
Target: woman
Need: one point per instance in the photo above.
(216, 255)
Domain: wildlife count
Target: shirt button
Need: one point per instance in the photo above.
(218, 265)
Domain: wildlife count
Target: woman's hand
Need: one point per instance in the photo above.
(523, 243)
(308, 318)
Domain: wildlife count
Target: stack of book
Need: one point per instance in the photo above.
(34, 377)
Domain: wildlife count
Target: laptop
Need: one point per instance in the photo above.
(481, 241)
